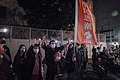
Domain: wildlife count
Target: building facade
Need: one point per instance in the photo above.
(107, 15)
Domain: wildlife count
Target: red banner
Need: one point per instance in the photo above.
(85, 25)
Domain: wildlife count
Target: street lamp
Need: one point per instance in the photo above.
(4, 30)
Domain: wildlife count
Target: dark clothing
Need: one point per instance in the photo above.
(102, 65)
(104, 55)
(84, 54)
(94, 56)
(19, 65)
(35, 77)
(31, 63)
(52, 67)
(4, 67)
(70, 65)
(78, 60)
(61, 66)
(7, 51)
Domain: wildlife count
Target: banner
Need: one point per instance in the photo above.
(85, 31)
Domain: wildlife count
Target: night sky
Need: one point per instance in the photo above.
(52, 14)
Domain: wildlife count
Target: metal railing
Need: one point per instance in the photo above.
(19, 32)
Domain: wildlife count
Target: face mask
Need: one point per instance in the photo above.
(52, 45)
(36, 50)
(23, 50)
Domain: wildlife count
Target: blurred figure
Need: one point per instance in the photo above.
(61, 77)
(19, 63)
(84, 75)
(92, 75)
(84, 52)
(98, 50)
(4, 62)
(7, 51)
(70, 65)
(78, 57)
(104, 50)
(104, 54)
(117, 55)
(94, 56)
(34, 63)
(110, 51)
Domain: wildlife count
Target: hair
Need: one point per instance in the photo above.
(104, 47)
(117, 46)
(98, 48)
(20, 48)
(36, 45)
(70, 45)
(82, 45)
(51, 41)
(2, 40)
(92, 75)
(77, 44)
(61, 77)
(111, 77)
(84, 75)
(85, 0)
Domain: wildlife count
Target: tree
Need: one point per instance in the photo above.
(49, 14)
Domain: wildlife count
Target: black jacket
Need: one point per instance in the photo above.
(52, 68)
(31, 62)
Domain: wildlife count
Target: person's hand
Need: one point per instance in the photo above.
(68, 40)
(99, 59)
(74, 59)
(44, 38)
(34, 41)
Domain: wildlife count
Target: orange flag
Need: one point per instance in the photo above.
(85, 31)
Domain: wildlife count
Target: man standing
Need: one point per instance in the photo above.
(50, 59)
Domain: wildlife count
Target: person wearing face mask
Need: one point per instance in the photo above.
(50, 59)
(19, 63)
(34, 63)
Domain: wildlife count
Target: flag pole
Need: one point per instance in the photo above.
(76, 23)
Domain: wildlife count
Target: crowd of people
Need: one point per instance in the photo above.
(107, 59)
(67, 62)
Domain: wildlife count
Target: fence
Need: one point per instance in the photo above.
(17, 32)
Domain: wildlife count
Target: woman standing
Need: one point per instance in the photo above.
(34, 60)
(19, 63)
